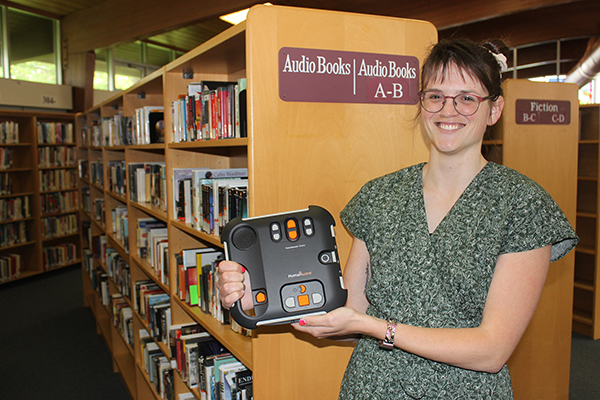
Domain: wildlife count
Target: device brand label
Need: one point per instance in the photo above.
(313, 75)
(299, 274)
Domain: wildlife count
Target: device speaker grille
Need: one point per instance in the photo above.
(244, 238)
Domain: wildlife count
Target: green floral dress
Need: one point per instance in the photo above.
(441, 279)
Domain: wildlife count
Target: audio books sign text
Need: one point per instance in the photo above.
(313, 75)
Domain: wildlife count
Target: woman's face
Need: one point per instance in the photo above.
(450, 132)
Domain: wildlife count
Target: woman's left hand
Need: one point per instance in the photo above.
(339, 323)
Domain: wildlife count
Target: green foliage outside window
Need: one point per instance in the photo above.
(34, 71)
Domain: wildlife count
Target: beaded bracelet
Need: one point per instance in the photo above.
(388, 342)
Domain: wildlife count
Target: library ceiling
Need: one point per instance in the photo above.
(184, 24)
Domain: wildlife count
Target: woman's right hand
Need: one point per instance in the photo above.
(233, 283)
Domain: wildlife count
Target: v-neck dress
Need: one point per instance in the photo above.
(441, 280)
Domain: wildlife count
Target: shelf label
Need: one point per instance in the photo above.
(543, 112)
(313, 75)
(48, 100)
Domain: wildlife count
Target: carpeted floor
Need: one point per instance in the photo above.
(48, 342)
(585, 368)
(50, 349)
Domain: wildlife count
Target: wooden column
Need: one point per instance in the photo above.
(547, 153)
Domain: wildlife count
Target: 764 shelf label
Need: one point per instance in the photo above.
(313, 75)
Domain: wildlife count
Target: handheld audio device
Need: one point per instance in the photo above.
(293, 264)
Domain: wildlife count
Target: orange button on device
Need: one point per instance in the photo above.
(303, 300)
(291, 229)
(260, 297)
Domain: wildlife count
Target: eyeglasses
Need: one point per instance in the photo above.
(465, 104)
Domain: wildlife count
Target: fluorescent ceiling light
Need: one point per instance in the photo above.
(236, 17)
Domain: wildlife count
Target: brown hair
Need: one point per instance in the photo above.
(470, 57)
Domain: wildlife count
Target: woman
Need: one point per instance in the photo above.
(448, 258)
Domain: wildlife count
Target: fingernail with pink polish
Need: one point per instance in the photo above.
(302, 322)
(243, 270)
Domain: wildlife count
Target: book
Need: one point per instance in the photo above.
(193, 348)
(146, 229)
(187, 283)
(206, 284)
(147, 127)
(175, 331)
(186, 192)
(162, 267)
(10, 267)
(179, 174)
(209, 110)
(166, 387)
(243, 385)
(188, 274)
(241, 114)
(191, 277)
(155, 311)
(213, 377)
(205, 258)
(191, 205)
(156, 235)
(216, 109)
(139, 288)
(183, 345)
(133, 179)
(227, 374)
(148, 183)
(150, 349)
(207, 201)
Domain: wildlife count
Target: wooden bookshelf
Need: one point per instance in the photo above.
(586, 300)
(35, 172)
(338, 137)
(547, 153)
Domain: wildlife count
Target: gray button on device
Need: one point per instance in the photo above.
(290, 302)
(275, 232)
(307, 224)
(317, 298)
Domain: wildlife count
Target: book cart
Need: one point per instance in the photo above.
(297, 153)
(38, 199)
(586, 307)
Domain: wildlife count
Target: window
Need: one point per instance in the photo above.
(30, 50)
(126, 75)
(551, 62)
(30, 47)
(588, 93)
(101, 71)
(120, 67)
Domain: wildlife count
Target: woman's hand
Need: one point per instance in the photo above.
(341, 323)
(233, 283)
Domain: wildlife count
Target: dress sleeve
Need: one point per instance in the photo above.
(536, 221)
(355, 215)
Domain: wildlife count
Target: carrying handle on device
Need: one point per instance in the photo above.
(241, 317)
(236, 311)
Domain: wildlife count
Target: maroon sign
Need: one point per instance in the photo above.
(313, 75)
(543, 112)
